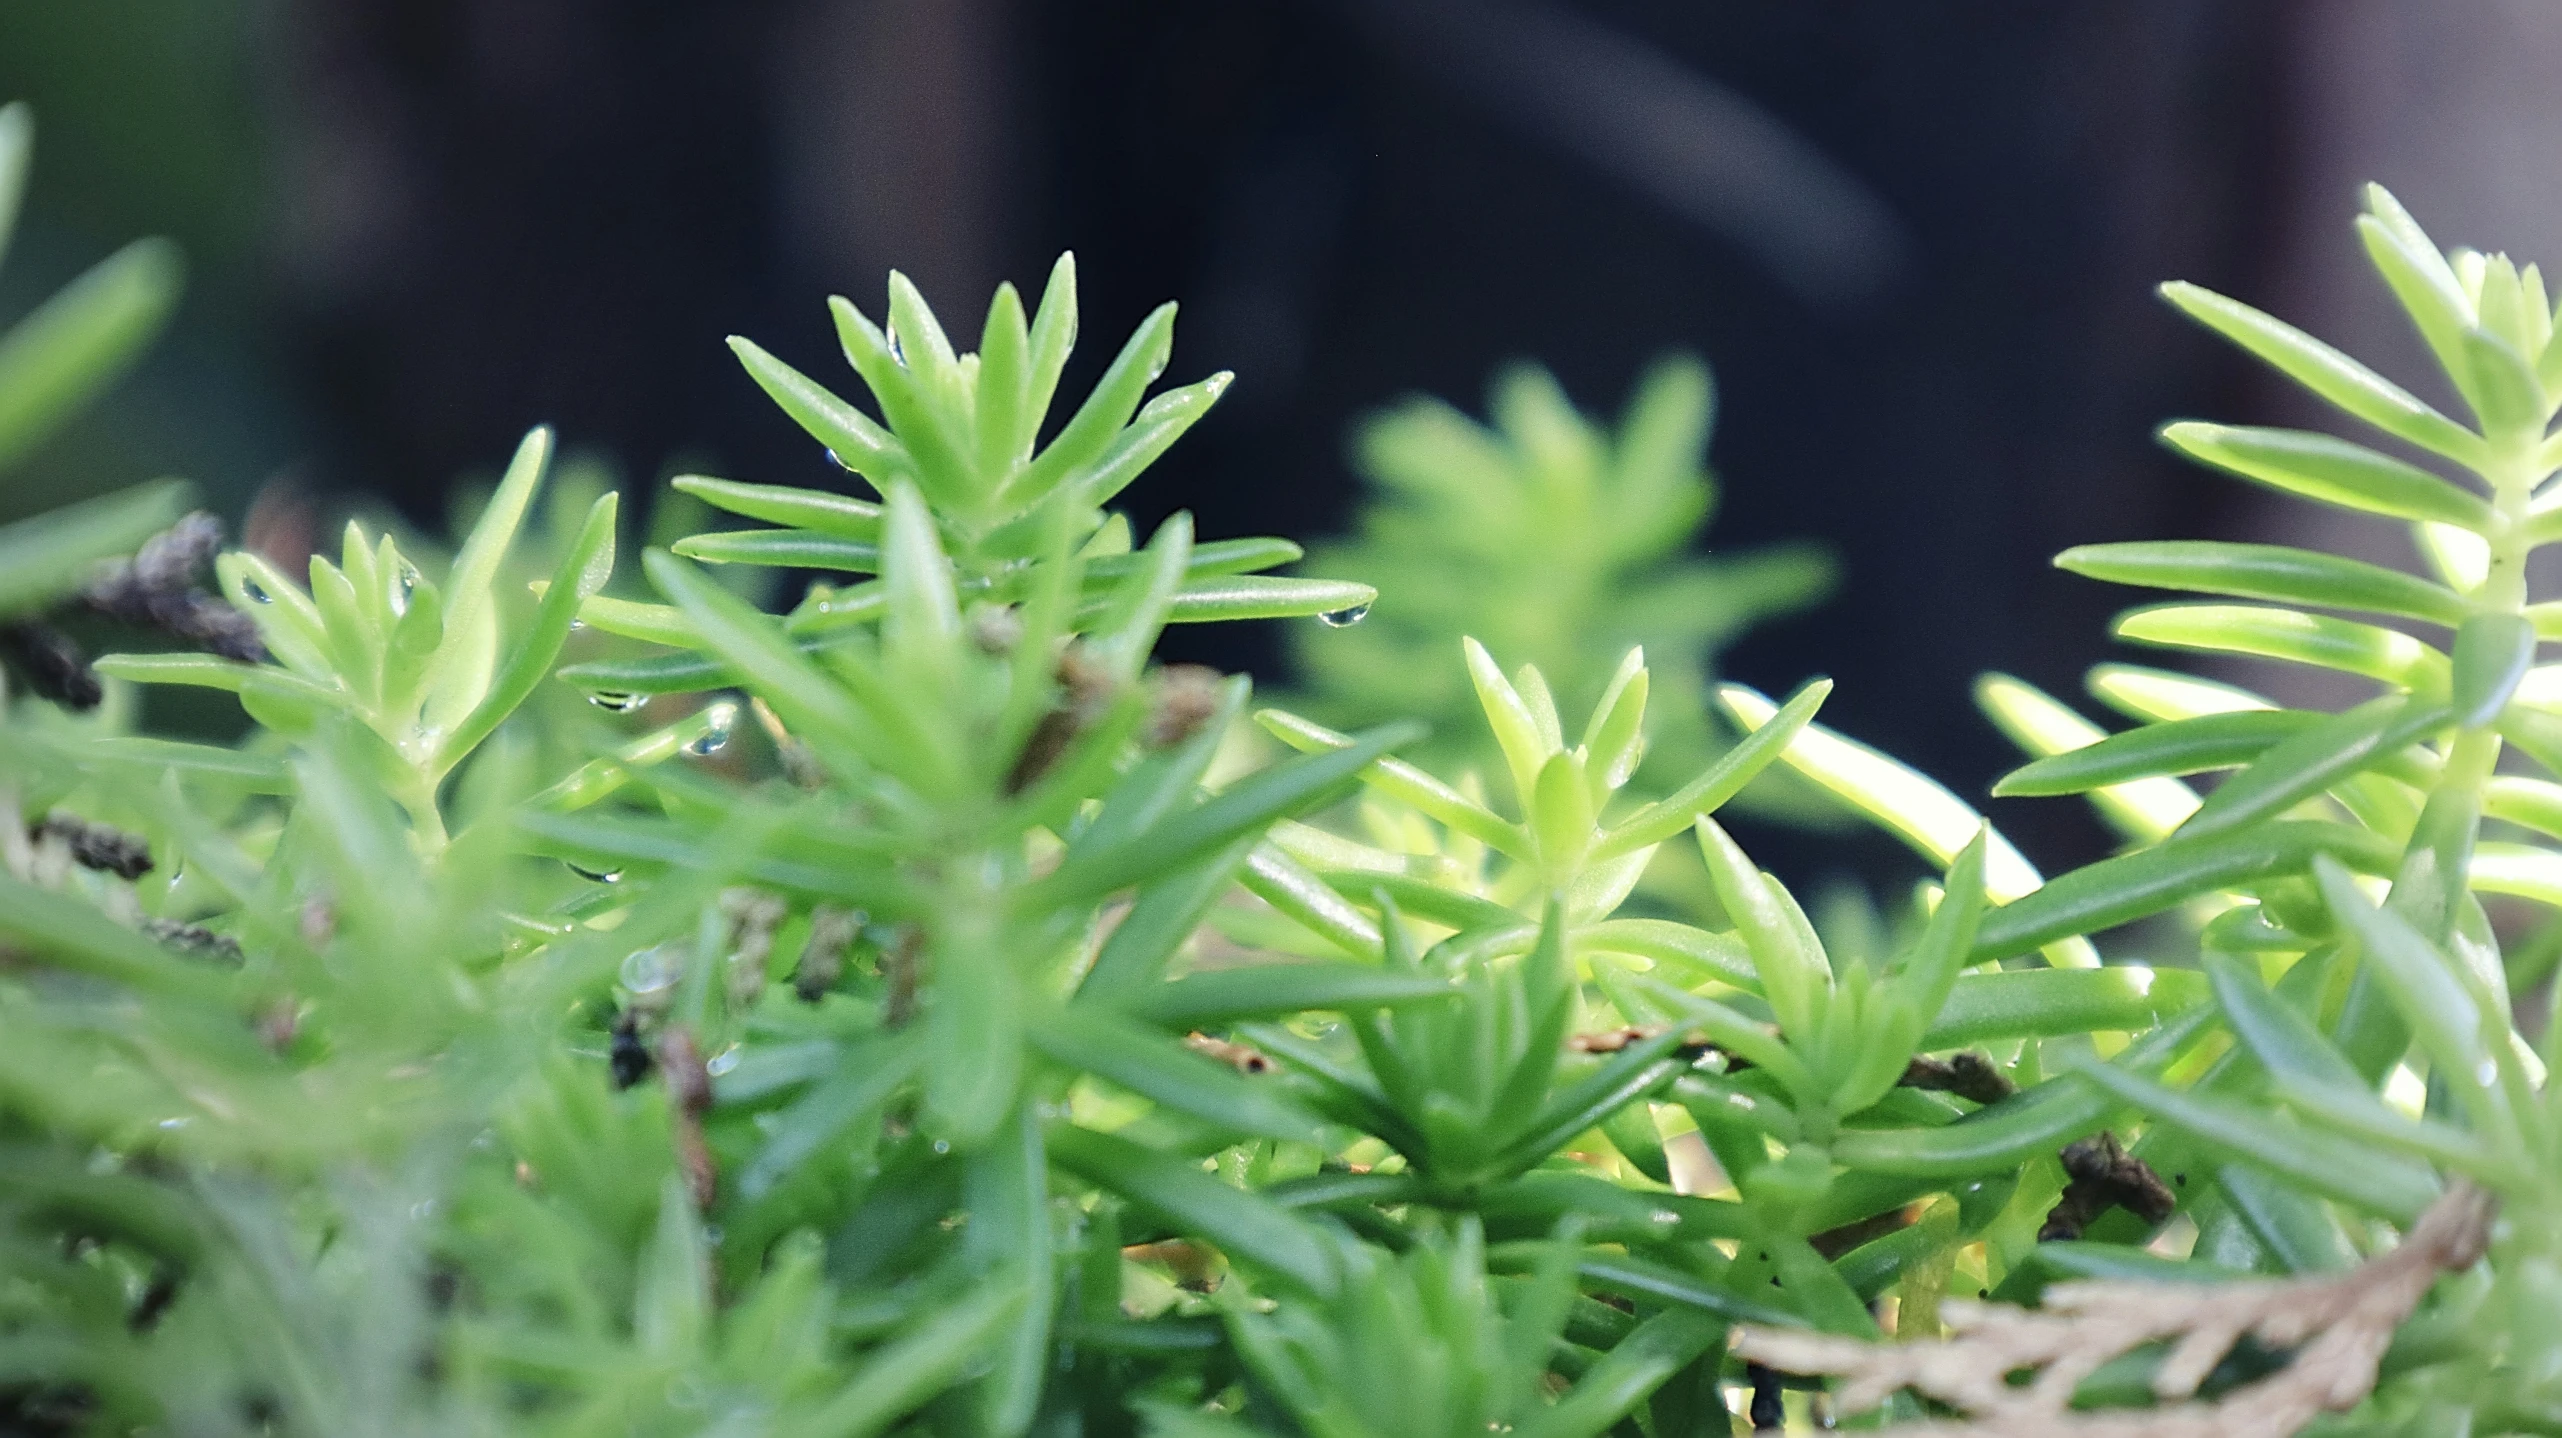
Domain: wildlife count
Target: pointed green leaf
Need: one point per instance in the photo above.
(458, 677)
(782, 549)
(2420, 277)
(1213, 997)
(2319, 640)
(2327, 372)
(2040, 1003)
(1106, 410)
(2331, 471)
(858, 444)
(2143, 808)
(2466, 1042)
(1516, 729)
(1930, 971)
(813, 705)
(2177, 746)
(2297, 768)
(2503, 388)
(1772, 730)
(1004, 431)
(583, 571)
(1053, 336)
(2268, 571)
(2492, 653)
(916, 422)
(1257, 596)
(1408, 785)
(1251, 803)
(1796, 982)
(2101, 896)
(810, 509)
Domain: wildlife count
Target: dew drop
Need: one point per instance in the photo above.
(616, 702)
(720, 721)
(722, 1062)
(600, 876)
(1344, 618)
(577, 624)
(407, 585)
(653, 970)
(257, 592)
(2487, 1072)
(897, 351)
(942, 1146)
(839, 461)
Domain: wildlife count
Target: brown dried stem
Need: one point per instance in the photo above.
(2336, 1326)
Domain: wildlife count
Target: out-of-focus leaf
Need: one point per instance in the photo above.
(46, 557)
(2325, 1164)
(1246, 1226)
(77, 342)
(1219, 996)
(1153, 1066)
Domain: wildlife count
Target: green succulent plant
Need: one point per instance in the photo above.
(987, 1053)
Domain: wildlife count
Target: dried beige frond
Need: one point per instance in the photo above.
(2337, 1327)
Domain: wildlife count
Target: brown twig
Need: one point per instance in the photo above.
(753, 915)
(1969, 1075)
(689, 1097)
(194, 940)
(2104, 1176)
(899, 973)
(822, 963)
(51, 663)
(96, 846)
(157, 589)
(1086, 689)
(1237, 1056)
(2336, 1326)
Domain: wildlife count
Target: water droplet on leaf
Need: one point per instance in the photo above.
(257, 592)
(719, 722)
(616, 702)
(839, 461)
(648, 971)
(722, 1062)
(1344, 618)
(600, 876)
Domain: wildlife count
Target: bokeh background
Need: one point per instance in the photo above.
(1917, 244)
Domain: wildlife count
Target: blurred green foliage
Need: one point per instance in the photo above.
(1556, 541)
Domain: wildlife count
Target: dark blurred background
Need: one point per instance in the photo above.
(1917, 243)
